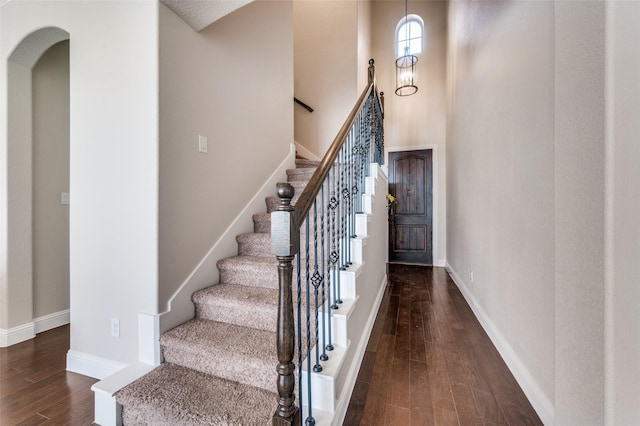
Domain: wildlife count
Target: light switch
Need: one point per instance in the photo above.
(203, 145)
(64, 198)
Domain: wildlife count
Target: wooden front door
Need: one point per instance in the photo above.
(410, 215)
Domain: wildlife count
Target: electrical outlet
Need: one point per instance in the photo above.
(115, 327)
(471, 275)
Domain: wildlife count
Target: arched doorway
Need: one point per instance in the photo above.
(21, 319)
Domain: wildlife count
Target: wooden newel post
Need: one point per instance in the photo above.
(372, 71)
(285, 245)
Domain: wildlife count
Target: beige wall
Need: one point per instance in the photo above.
(500, 181)
(623, 211)
(50, 87)
(326, 49)
(231, 82)
(417, 121)
(533, 197)
(113, 64)
(579, 187)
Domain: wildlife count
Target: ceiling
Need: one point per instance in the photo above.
(201, 13)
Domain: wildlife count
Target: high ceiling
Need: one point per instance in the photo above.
(201, 13)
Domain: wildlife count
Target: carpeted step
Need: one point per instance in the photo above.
(304, 163)
(258, 271)
(253, 307)
(301, 174)
(238, 304)
(254, 244)
(245, 355)
(262, 223)
(172, 395)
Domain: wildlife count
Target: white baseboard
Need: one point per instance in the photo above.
(350, 381)
(91, 365)
(539, 400)
(17, 334)
(440, 262)
(51, 321)
(29, 330)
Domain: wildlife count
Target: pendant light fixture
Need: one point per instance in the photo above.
(406, 65)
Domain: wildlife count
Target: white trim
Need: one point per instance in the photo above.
(440, 262)
(107, 411)
(51, 321)
(539, 400)
(304, 152)
(435, 160)
(91, 365)
(17, 334)
(149, 339)
(350, 381)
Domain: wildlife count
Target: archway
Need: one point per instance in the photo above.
(19, 301)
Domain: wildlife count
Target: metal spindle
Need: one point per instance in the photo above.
(326, 321)
(316, 280)
(309, 420)
(335, 253)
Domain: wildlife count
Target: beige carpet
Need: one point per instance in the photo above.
(220, 367)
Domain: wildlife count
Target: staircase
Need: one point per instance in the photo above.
(219, 368)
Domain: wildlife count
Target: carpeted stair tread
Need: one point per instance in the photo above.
(257, 271)
(238, 304)
(300, 174)
(254, 244)
(303, 163)
(243, 354)
(172, 395)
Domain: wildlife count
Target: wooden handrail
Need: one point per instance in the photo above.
(302, 104)
(305, 201)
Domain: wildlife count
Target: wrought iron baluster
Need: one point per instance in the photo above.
(326, 320)
(309, 420)
(316, 281)
(335, 250)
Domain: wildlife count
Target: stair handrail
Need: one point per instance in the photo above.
(304, 203)
(286, 223)
(302, 104)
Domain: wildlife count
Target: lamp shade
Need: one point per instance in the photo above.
(406, 74)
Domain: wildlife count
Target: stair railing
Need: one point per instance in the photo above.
(317, 233)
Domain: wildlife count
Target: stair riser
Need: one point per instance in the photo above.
(230, 366)
(258, 246)
(258, 277)
(301, 174)
(262, 224)
(261, 317)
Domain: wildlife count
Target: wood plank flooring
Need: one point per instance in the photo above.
(35, 388)
(429, 362)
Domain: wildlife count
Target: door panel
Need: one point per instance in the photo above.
(410, 216)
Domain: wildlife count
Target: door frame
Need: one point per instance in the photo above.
(438, 258)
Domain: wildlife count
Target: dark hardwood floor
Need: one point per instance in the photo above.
(35, 388)
(429, 362)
